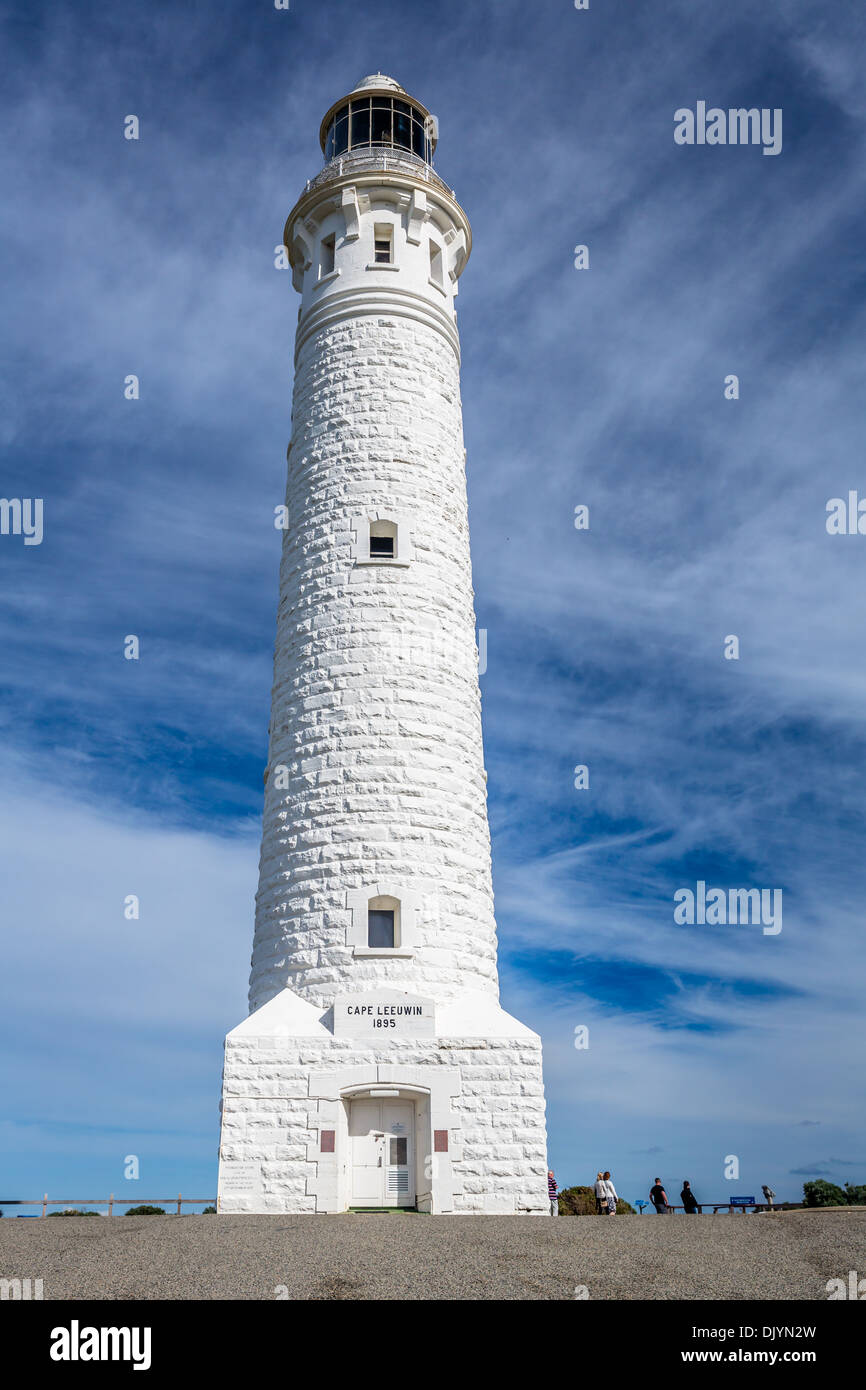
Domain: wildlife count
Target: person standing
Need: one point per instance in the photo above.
(769, 1196)
(600, 1196)
(610, 1194)
(552, 1193)
(659, 1198)
(688, 1199)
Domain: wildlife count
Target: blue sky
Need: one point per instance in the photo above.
(602, 387)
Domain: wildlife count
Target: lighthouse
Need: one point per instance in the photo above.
(377, 1068)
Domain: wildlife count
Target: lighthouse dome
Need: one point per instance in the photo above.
(380, 82)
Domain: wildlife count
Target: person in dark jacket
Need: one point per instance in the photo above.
(688, 1199)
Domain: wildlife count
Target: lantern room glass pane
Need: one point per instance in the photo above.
(360, 123)
(419, 141)
(341, 134)
(381, 132)
(402, 127)
(329, 143)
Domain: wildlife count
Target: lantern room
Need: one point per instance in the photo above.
(379, 114)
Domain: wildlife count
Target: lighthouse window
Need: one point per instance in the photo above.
(380, 928)
(383, 540)
(326, 264)
(384, 245)
(382, 923)
(436, 264)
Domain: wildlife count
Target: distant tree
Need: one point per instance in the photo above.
(146, 1211)
(209, 1211)
(73, 1211)
(823, 1194)
(855, 1194)
(580, 1201)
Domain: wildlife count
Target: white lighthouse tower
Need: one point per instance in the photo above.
(376, 1068)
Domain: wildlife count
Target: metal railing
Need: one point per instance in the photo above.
(384, 160)
(45, 1202)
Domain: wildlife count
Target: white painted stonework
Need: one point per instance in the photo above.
(374, 1072)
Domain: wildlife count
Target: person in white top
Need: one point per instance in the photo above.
(610, 1194)
(600, 1196)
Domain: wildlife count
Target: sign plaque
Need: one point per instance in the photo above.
(384, 1013)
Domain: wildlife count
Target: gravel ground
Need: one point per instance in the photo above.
(787, 1256)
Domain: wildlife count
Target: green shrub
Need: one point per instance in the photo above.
(146, 1211)
(823, 1194)
(580, 1201)
(209, 1211)
(855, 1194)
(577, 1201)
(73, 1211)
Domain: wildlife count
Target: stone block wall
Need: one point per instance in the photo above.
(279, 1092)
(376, 720)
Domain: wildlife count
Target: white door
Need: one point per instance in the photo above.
(366, 1141)
(382, 1142)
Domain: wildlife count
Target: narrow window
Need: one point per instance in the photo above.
(380, 927)
(383, 540)
(436, 263)
(326, 262)
(383, 246)
(383, 923)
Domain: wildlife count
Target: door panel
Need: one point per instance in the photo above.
(398, 1120)
(381, 1135)
(367, 1158)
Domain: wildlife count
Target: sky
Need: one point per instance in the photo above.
(602, 387)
